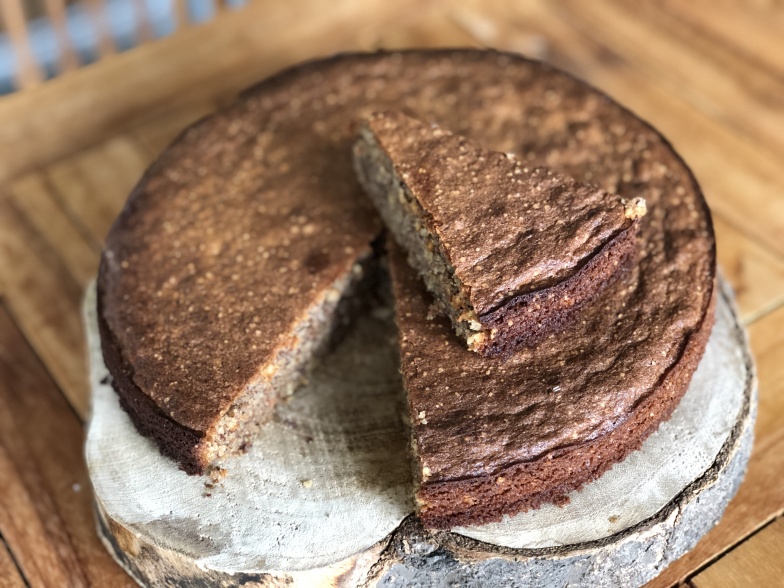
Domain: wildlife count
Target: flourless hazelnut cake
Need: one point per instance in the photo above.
(223, 275)
(510, 252)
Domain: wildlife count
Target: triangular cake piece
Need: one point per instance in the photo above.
(493, 436)
(511, 253)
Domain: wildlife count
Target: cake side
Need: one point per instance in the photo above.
(405, 219)
(526, 319)
(434, 190)
(477, 498)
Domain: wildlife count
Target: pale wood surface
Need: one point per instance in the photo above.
(9, 573)
(757, 562)
(707, 75)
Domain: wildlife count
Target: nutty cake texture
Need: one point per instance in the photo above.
(510, 252)
(227, 262)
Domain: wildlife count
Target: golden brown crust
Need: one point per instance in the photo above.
(527, 486)
(511, 252)
(276, 166)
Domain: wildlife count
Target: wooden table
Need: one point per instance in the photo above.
(709, 76)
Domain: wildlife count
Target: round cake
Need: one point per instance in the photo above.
(224, 272)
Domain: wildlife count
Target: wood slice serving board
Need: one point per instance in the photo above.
(323, 497)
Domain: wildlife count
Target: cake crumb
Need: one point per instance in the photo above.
(216, 474)
(635, 208)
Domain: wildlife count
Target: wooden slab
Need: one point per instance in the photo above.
(324, 493)
(46, 503)
(757, 562)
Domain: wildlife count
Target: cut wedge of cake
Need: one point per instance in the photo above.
(510, 252)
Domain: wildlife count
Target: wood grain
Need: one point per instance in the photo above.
(757, 562)
(199, 63)
(742, 26)
(722, 80)
(92, 186)
(46, 506)
(10, 575)
(756, 274)
(25, 529)
(48, 218)
(44, 296)
(767, 341)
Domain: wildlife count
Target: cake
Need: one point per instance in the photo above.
(510, 252)
(223, 275)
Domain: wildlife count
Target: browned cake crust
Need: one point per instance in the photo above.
(174, 440)
(511, 253)
(522, 485)
(221, 278)
(189, 447)
(186, 290)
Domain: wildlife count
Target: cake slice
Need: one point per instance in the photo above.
(496, 436)
(194, 426)
(511, 253)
